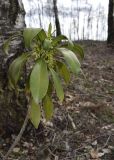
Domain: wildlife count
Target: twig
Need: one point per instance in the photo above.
(84, 76)
(72, 122)
(19, 135)
(1, 155)
(108, 139)
(52, 153)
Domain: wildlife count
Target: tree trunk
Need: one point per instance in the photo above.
(110, 39)
(11, 20)
(57, 23)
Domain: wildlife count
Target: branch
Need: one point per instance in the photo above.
(19, 135)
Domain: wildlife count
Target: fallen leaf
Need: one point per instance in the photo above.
(106, 150)
(94, 154)
(94, 143)
(100, 154)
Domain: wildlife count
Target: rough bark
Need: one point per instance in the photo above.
(110, 39)
(11, 17)
(57, 23)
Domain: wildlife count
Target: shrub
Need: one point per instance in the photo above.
(52, 58)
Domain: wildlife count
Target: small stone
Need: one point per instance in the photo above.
(16, 150)
(94, 143)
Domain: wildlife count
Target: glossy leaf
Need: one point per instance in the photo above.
(70, 43)
(41, 35)
(48, 107)
(15, 69)
(64, 72)
(47, 44)
(57, 85)
(71, 60)
(76, 49)
(29, 34)
(49, 30)
(58, 39)
(35, 114)
(39, 80)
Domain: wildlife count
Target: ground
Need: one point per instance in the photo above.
(83, 126)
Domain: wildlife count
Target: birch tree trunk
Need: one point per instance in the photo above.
(11, 20)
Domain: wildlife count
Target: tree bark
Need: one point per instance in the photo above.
(110, 39)
(10, 13)
(57, 23)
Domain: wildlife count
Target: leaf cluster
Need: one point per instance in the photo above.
(52, 60)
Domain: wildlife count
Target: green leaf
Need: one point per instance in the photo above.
(48, 107)
(29, 34)
(49, 30)
(41, 36)
(70, 43)
(39, 80)
(15, 69)
(71, 60)
(64, 72)
(58, 39)
(57, 85)
(35, 114)
(76, 49)
(47, 44)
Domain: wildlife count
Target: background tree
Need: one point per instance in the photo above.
(111, 22)
(57, 23)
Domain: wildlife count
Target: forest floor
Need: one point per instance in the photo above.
(83, 126)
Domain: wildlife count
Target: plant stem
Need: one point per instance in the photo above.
(18, 136)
